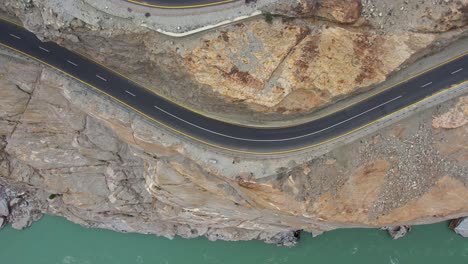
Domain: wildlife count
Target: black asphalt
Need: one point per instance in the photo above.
(225, 135)
(180, 3)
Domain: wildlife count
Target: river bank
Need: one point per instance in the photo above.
(53, 240)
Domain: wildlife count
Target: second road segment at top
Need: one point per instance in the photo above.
(179, 4)
(226, 136)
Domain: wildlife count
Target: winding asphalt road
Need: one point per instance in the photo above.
(178, 4)
(230, 136)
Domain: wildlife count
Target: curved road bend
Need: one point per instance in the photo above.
(179, 4)
(230, 136)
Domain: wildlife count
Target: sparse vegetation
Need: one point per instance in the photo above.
(268, 17)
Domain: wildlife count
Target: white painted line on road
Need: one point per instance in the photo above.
(426, 84)
(351, 118)
(15, 36)
(459, 70)
(72, 63)
(130, 93)
(284, 139)
(44, 49)
(100, 77)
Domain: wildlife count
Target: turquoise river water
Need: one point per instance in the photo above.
(53, 240)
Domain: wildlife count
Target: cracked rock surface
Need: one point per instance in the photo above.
(69, 152)
(312, 54)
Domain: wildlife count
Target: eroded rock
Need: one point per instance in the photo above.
(303, 71)
(462, 227)
(397, 232)
(107, 168)
(341, 11)
(241, 65)
(4, 210)
(80, 156)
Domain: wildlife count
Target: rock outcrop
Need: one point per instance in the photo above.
(397, 232)
(68, 152)
(462, 227)
(341, 11)
(301, 71)
(257, 70)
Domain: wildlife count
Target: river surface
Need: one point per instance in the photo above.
(53, 240)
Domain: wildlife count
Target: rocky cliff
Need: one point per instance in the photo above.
(309, 56)
(69, 152)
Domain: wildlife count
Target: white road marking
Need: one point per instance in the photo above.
(44, 49)
(15, 36)
(100, 77)
(72, 63)
(130, 93)
(459, 70)
(284, 139)
(426, 84)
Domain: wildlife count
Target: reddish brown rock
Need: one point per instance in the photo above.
(341, 11)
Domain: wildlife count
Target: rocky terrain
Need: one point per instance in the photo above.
(68, 152)
(312, 54)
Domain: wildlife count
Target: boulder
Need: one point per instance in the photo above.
(288, 239)
(4, 211)
(462, 227)
(397, 232)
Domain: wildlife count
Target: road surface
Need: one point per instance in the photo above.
(224, 135)
(179, 4)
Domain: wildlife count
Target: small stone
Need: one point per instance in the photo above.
(212, 161)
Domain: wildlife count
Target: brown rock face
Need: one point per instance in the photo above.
(256, 72)
(341, 11)
(108, 168)
(345, 205)
(238, 64)
(339, 62)
(454, 16)
(448, 195)
(284, 69)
